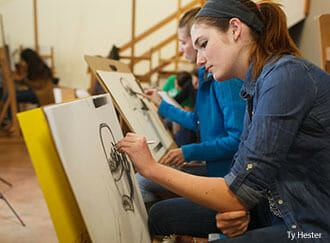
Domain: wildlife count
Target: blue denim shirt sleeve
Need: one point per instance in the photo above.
(282, 97)
(185, 118)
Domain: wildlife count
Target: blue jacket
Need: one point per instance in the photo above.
(284, 154)
(219, 110)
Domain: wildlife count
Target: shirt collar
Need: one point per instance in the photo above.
(248, 87)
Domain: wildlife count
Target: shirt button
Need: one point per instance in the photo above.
(293, 226)
(249, 166)
(280, 202)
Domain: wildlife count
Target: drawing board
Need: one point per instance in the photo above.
(103, 181)
(139, 114)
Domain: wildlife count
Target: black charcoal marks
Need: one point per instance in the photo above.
(119, 167)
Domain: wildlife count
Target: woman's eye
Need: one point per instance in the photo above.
(204, 44)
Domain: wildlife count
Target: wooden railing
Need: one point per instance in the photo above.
(147, 55)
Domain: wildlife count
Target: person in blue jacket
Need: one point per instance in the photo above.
(217, 120)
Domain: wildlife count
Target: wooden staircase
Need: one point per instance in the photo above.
(157, 68)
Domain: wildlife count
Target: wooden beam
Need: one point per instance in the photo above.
(140, 58)
(146, 55)
(177, 31)
(2, 31)
(133, 35)
(327, 59)
(157, 26)
(35, 14)
(9, 84)
(306, 9)
(162, 65)
(163, 43)
(324, 38)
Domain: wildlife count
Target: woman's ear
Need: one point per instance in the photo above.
(235, 28)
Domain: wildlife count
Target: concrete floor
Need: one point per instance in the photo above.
(25, 196)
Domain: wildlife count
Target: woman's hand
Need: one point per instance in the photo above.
(173, 158)
(135, 146)
(153, 96)
(233, 223)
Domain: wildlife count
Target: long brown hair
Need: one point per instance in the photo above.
(36, 68)
(187, 19)
(274, 41)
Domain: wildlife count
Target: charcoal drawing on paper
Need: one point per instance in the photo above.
(102, 180)
(119, 167)
(139, 113)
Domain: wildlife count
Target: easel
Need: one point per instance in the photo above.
(9, 88)
(8, 204)
(11, 100)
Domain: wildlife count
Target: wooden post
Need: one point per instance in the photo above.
(2, 31)
(133, 37)
(150, 63)
(177, 30)
(10, 89)
(306, 9)
(324, 40)
(36, 40)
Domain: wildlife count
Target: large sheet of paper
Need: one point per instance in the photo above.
(138, 111)
(168, 99)
(102, 179)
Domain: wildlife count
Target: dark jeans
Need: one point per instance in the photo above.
(22, 96)
(184, 136)
(183, 217)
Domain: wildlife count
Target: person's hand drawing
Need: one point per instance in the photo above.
(135, 146)
(153, 96)
(233, 223)
(173, 158)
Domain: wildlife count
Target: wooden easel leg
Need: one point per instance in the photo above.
(4, 110)
(10, 88)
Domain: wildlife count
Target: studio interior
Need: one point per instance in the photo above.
(142, 121)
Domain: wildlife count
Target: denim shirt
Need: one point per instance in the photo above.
(285, 145)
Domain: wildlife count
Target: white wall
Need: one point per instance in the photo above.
(78, 27)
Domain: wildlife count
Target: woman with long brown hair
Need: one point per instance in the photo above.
(285, 145)
(39, 80)
(38, 77)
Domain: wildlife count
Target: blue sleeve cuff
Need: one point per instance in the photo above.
(162, 108)
(247, 195)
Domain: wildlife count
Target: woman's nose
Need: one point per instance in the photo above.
(200, 59)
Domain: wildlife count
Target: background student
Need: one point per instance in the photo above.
(181, 90)
(37, 77)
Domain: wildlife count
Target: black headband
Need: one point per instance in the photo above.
(231, 9)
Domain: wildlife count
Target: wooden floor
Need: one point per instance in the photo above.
(25, 196)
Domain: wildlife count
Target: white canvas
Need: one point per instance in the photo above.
(168, 99)
(138, 111)
(102, 180)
